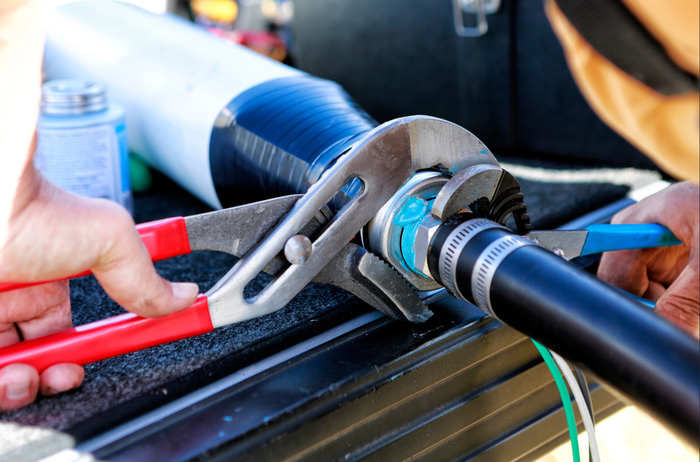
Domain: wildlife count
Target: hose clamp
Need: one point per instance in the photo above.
(486, 266)
(453, 247)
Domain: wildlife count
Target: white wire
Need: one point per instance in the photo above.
(581, 403)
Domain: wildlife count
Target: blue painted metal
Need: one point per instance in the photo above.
(647, 303)
(604, 238)
(409, 215)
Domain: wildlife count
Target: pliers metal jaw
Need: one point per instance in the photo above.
(382, 161)
(237, 230)
(604, 238)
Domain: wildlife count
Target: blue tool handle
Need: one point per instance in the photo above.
(604, 238)
(644, 301)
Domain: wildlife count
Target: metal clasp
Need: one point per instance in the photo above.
(478, 7)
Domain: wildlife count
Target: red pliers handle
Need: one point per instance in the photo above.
(382, 162)
(128, 332)
(163, 239)
(120, 334)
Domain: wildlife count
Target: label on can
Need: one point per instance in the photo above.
(90, 161)
(123, 164)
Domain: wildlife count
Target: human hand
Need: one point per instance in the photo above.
(49, 234)
(667, 275)
(52, 234)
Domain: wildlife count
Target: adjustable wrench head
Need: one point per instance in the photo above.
(455, 172)
(383, 161)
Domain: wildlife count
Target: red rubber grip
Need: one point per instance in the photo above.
(108, 338)
(163, 239)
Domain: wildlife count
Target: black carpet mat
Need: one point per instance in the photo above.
(119, 389)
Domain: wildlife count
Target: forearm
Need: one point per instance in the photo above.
(21, 50)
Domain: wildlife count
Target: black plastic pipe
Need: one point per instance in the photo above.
(647, 358)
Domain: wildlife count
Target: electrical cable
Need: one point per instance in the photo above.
(581, 403)
(583, 383)
(565, 398)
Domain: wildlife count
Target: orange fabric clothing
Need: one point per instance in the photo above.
(666, 128)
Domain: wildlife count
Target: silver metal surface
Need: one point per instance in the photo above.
(385, 235)
(237, 229)
(382, 161)
(431, 296)
(569, 243)
(453, 246)
(438, 142)
(486, 265)
(421, 244)
(72, 97)
(560, 253)
(465, 187)
(376, 283)
(297, 249)
(433, 142)
(479, 9)
(471, 6)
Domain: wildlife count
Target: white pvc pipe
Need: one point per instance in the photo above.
(172, 77)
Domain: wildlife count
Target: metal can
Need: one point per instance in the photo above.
(82, 144)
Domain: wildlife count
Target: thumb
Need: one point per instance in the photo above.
(127, 274)
(679, 304)
(54, 234)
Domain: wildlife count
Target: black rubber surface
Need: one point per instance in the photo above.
(628, 346)
(120, 389)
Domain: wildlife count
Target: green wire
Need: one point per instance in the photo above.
(565, 398)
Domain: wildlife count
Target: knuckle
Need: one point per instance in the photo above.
(148, 306)
(113, 218)
(120, 219)
(679, 309)
(680, 304)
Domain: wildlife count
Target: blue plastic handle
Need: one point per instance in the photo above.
(647, 303)
(603, 238)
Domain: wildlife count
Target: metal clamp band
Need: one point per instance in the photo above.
(486, 266)
(454, 245)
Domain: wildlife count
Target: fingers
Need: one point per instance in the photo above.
(19, 384)
(60, 378)
(127, 274)
(70, 234)
(626, 269)
(54, 299)
(654, 291)
(8, 334)
(680, 304)
(38, 311)
(649, 272)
